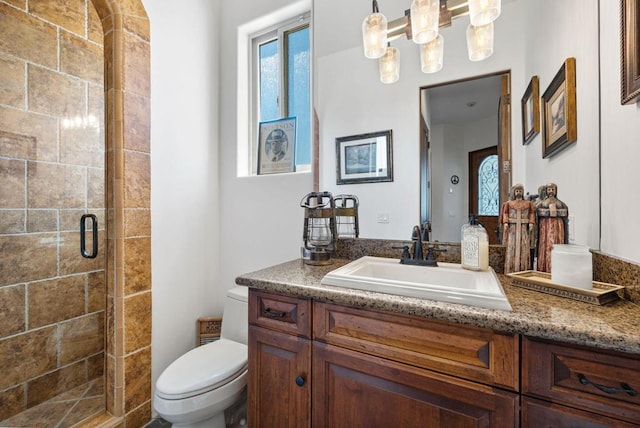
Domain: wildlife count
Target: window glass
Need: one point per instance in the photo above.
(269, 72)
(298, 94)
(488, 193)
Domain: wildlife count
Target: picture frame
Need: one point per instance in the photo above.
(530, 104)
(559, 121)
(276, 146)
(629, 52)
(364, 158)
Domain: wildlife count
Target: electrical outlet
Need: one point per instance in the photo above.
(383, 217)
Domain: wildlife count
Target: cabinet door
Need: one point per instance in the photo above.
(279, 388)
(540, 414)
(357, 390)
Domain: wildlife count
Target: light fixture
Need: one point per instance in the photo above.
(319, 233)
(421, 23)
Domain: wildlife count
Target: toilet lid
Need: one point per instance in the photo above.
(202, 369)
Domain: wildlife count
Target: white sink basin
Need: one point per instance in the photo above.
(447, 283)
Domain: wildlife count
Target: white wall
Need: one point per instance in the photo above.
(620, 149)
(184, 172)
(260, 216)
(351, 100)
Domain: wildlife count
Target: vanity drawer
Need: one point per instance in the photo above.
(459, 350)
(594, 380)
(281, 313)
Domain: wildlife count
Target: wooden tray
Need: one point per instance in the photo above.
(601, 293)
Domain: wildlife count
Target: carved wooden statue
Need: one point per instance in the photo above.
(518, 218)
(552, 216)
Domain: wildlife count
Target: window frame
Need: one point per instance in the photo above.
(274, 32)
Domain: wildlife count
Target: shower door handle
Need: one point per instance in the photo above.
(94, 232)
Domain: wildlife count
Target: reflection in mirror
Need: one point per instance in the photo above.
(532, 38)
(463, 152)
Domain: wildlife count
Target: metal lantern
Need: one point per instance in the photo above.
(319, 234)
(346, 213)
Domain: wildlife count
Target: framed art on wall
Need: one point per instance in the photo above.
(629, 51)
(531, 111)
(364, 158)
(276, 146)
(559, 120)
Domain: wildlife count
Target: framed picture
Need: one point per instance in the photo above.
(531, 111)
(276, 146)
(365, 158)
(630, 51)
(559, 110)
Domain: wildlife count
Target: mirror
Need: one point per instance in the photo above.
(532, 37)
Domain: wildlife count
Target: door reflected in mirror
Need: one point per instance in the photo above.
(467, 137)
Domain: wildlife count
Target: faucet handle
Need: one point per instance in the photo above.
(405, 252)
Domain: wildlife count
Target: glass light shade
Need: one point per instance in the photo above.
(432, 54)
(482, 12)
(320, 232)
(480, 41)
(425, 15)
(390, 66)
(374, 35)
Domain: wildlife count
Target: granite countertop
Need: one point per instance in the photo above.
(614, 326)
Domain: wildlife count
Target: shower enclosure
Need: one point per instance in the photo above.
(52, 175)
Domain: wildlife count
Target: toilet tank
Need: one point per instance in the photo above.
(235, 319)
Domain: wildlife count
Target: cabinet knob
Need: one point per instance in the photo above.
(300, 381)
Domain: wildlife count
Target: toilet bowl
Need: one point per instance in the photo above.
(195, 390)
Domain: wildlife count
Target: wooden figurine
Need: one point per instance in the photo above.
(518, 218)
(552, 217)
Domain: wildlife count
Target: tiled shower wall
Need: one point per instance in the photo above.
(52, 300)
(127, 169)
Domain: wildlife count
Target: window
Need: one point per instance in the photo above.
(281, 64)
(488, 192)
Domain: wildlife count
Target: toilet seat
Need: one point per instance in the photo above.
(202, 369)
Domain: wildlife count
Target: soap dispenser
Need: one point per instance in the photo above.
(474, 247)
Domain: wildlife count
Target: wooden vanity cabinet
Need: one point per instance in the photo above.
(572, 386)
(374, 369)
(279, 378)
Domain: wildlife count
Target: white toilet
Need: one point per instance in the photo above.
(195, 389)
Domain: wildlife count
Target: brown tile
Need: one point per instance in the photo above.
(138, 267)
(67, 14)
(12, 82)
(95, 33)
(110, 326)
(55, 93)
(136, 65)
(138, 26)
(132, 8)
(40, 416)
(12, 310)
(28, 38)
(81, 58)
(27, 355)
(85, 408)
(82, 145)
(22, 4)
(45, 387)
(95, 190)
(137, 181)
(12, 183)
(95, 367)
(12, 401)
(12, 221)
(81, 337)
(42, 221)
(26, 135)
(137, 123)
(137, 378)
(55, 300)
(71, 260)
(137, 222)
(140, 416)
(18, 252)
(137, 316)
(68, 180)
(97, 291)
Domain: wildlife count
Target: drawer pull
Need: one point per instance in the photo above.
(272, 313)
(608, 389)
(300, 381)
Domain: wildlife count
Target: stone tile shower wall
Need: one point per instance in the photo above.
(127, 316)
(52, 301)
